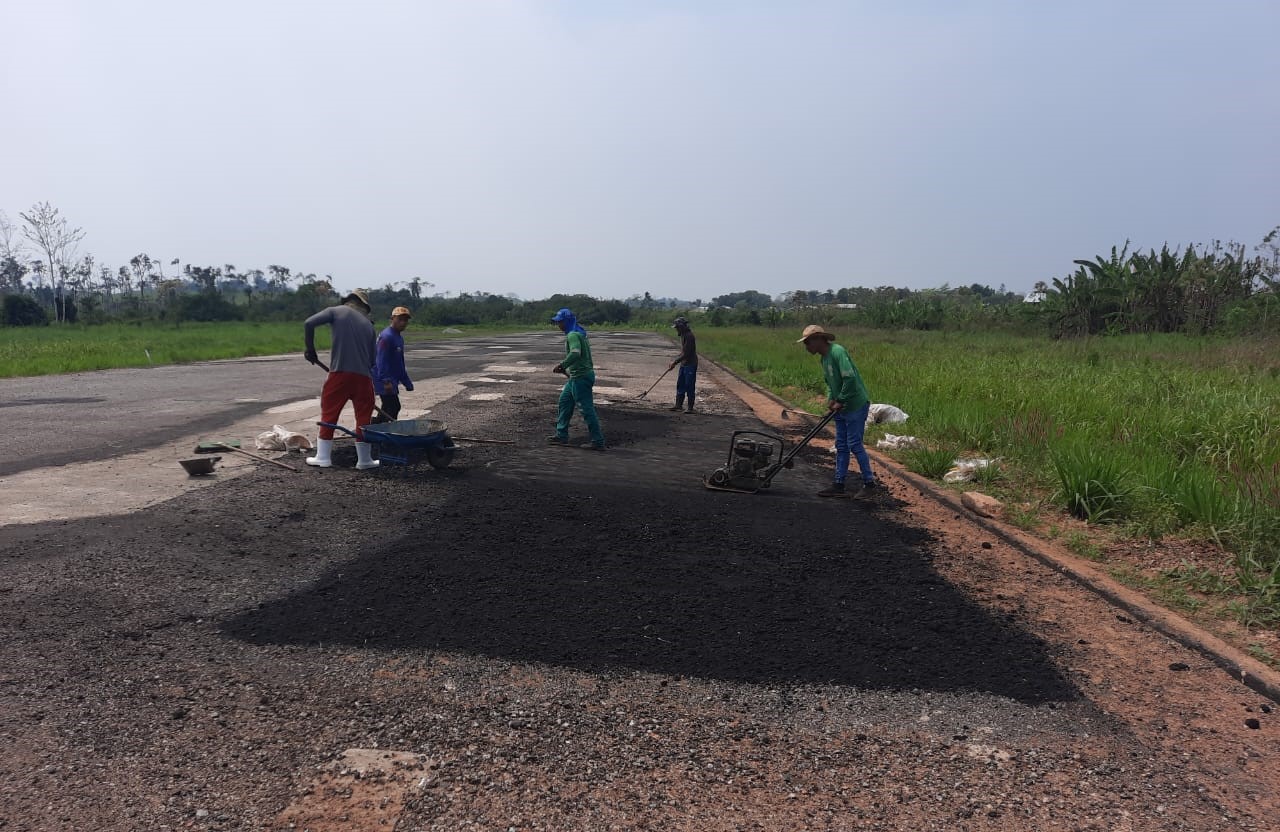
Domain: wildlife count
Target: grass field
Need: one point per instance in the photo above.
(1153, 434)
(35, 351)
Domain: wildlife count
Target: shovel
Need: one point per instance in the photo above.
(234, 445)
(651, 386)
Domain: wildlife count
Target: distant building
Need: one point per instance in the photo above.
(1034, 297)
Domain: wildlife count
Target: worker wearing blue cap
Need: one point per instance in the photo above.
(581, 378)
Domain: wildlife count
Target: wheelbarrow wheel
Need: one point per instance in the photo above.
(439, 456)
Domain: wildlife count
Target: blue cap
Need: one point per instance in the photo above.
(562, 315)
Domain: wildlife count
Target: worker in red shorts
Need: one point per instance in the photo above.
(350, 379)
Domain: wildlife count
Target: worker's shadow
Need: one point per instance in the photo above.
(694, 583)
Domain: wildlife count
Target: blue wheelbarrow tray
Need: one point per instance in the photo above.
(406, 435)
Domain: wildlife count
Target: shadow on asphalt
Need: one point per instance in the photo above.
(686, 582)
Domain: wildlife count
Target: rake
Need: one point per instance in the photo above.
(651, 386)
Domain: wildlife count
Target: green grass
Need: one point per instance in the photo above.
(1196, 579)
(1261, 653)
(1079, 543)
(989, 476)
(1093, 483)
(31, 351)
(1023, 516)
(36, 351)
(931, 462)
(1161, 433)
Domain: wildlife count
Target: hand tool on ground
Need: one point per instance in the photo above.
(655, 384)
(749, 467)
(786, 414)
(377, 409)
(234, 445)
(485, 441)
(214, 445)
(199, 466)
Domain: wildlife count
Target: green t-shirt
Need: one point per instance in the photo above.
(844, 383)
(577, 355)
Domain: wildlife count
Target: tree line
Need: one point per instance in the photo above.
(1198, 290)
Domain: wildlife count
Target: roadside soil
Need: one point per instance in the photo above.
(1186, 575)
(553, 638)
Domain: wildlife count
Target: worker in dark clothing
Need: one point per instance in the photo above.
(687, 381)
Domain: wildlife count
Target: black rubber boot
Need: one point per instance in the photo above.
(868, 489)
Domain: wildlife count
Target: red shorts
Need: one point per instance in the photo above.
(340, 388)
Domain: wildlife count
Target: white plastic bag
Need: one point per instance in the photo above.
(892, 442)
(282, 439)
(885, 414)
(965, 469)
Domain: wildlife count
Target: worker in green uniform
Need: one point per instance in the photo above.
(846, 397)
(581, 378)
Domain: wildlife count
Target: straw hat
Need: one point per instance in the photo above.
(815, 331)
(401, 310)
(360, 295)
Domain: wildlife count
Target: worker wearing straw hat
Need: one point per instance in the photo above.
(847, 397)
(687, 381)
(351, 357)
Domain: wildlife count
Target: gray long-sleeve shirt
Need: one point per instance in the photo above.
(354, 340)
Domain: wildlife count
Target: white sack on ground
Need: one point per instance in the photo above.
(965, 469)
(892, 442)
(885, 414)
(282, 439)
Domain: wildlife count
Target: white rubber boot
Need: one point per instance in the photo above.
(364, 457)
(324, 451)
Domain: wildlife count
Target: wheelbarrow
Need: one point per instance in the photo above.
(406, 435)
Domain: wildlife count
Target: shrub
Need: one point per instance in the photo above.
(208, 306)
(24, 310)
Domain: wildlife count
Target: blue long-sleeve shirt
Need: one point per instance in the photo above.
(390, 363)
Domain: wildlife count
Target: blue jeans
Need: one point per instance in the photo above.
(577, 391)
(850, 426)
(686, 382)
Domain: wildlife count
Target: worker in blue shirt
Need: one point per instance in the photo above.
(388, 370)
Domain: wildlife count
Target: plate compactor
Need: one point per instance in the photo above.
(751, 464)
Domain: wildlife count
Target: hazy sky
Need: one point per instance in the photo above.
(686, 149)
